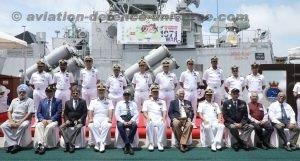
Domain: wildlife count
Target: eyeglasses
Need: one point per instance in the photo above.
(235, 71)
(75, 93)
(141, 65)
(190, 64)
(88, 61)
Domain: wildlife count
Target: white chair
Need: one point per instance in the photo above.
(80, 139)
(119, 142)
(155, 138)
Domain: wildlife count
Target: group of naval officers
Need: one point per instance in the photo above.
(165, 103)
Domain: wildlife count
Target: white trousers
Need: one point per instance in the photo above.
(298, 111)
(100, 129)
(38, 95)
(64, 95)
(167, 96)
(217, 97)
(16, 136)
(48, 135)
(88, 94)
(213, 132)
(115, 98)
(193, 97)
(140, 97)
(160, 131)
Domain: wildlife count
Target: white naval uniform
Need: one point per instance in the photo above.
(213, 78)
(115, 87)
(234, 82)
(100, 127)
(40, 81)
(296, 89)
(89, 80)
(255, 84)
(3, 101)
(190, 82)
(166, 84)
(155, 109)
(213, 129)
(19, 109)
(63, 82)
(141, 91)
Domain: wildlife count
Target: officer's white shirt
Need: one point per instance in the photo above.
(296, 88)
(190, 79)
(41, 80)
(181, 109)
(213, 77)
(209, 111)
(116, 84)
(255, 83)
(275, 112)
(89, 77)
(3, 101)
(154, 108)
(20, 108)
(234, 82)
(166, 81)
(121, 109)
(142, 81)
(63, 80)
(101, 108)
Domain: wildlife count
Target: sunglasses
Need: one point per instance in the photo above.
(190, 63)
(88, 61)
(235, 71)
(75, 93)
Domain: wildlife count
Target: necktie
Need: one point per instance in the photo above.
(235, 104)
(128, 114)
(49, 104)
(283, 115)
(76, 103)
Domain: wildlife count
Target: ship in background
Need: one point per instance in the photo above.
(232, 42)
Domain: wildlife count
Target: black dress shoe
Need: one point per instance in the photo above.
(8, 150)
(72, 149)
(42, 150)
(67, 148)
(293, 147)
(181, 148)
(15, 149)
(131, 151)
(287, 147)
(236, 147)
(125, 150)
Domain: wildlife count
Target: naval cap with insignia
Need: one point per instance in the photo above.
(209, 91)
(62, 62)
(127, 92)
(101, 86)
(88, 58)
(235, 90)
(190, 60)
(215, 58)
(142, 62)
(234, 67)
(50, 88)
(40, 62)
(116, 66)
(254, 66)
(165, 62)
(154, 88)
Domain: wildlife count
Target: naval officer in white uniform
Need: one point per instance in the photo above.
(234, 81)
(116, 83)
(296, 91)
(100, 113)
(141, 82)
(155, 111)
(255, 82)
(89, 77)
(213, 79)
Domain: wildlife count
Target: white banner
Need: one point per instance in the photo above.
(149, 32)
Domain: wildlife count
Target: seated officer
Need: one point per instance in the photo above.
(283, 116)
(155, 111)
(49, 117)
(236, 118)
(126, 114)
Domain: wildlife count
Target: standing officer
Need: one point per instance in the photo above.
(235, 115)
(296, 91)
(116, 83)
(63, 80)
(39, 81)
(213, 79)
(100, 118)
(255, 82)
(141, 82)
(234, 81)
(190, 81)
(155, 111)
(89, 77)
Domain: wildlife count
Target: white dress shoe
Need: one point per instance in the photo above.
(102, 147)
(150, 147)
(160, 146)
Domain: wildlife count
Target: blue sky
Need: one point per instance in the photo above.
(281, 17)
